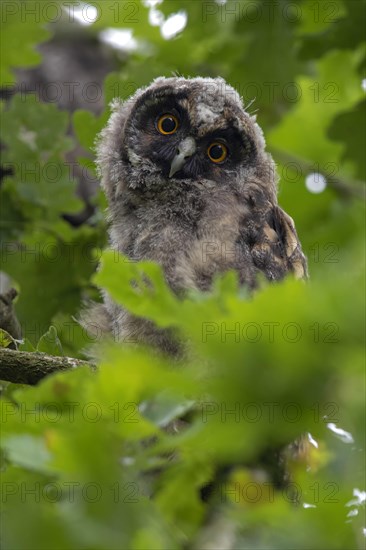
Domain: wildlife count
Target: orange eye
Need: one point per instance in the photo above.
(167, 124)
(217, 152)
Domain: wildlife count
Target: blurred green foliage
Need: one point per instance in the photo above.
(120, 458)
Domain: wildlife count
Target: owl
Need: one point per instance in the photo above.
(190, 186)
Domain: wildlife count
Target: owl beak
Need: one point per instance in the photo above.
(185, 149)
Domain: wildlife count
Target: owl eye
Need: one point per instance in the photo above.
(167, 124)
(217, 152)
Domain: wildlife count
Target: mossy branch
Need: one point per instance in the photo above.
(22, 367)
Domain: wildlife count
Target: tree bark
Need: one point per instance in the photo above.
(23, 367)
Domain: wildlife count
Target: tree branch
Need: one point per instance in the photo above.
(349, 188)
(23, 367)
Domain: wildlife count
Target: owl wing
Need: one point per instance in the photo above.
(274, 244)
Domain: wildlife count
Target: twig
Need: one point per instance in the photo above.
(349, 188)
(22, 367)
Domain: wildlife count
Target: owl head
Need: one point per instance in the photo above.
(182, 134)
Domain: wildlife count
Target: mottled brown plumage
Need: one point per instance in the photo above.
(169, 202)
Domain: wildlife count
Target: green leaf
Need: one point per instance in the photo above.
(264, 62)
(165, 408)
(28, 452)
(5, 339)
(87, 126)
(335, 88)
(22, 28)
(50, 343)
(348, 128)
(52, 274)
(41, 183)
(26, 345)
(345, 33)
(140, 286)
